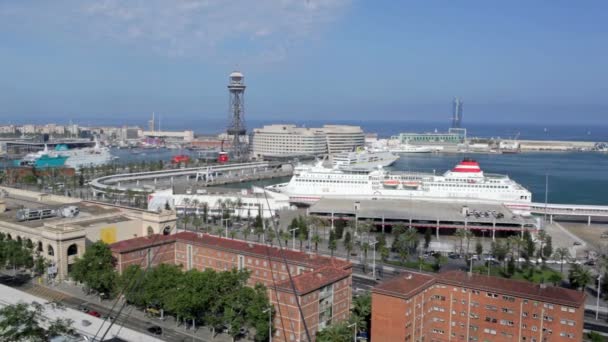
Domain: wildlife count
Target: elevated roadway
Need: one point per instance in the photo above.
(133, 181)
(570, 210)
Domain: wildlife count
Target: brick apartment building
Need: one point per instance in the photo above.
(321, 285)
(456, 306)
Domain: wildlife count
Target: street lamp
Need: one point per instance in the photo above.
(226, 219)
(269, 310)
(355, 334)
(597, 303)
(374, 259)
(293, 231)
(356, 218)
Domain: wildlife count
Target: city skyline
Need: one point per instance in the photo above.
(344, 60)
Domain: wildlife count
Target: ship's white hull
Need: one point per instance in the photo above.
(363, 160)
(87, 158)
(466, 183)
(411, 149)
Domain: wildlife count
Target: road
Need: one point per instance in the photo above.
(127, 319)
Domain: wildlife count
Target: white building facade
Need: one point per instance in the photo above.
(289, 141)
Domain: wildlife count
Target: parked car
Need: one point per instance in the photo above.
(94, 313)
(155, 329)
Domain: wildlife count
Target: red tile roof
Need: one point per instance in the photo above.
(232, 245)
(517, 288)
(405, 285)
(263, 251)
(141, 242)
(310, 281)
(409, 284)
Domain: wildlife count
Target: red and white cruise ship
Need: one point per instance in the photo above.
(465, 182)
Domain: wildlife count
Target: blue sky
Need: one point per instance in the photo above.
(510, 61)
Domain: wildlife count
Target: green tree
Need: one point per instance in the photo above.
(27, 322)
(96, 269)
(561, 254)
(478, 248)
(316, 239)
(331, 243)
(511, 267)
(548, 248)
(362, 311)
(427, 238)
(337, 332)
(555, 278)
(579, 277)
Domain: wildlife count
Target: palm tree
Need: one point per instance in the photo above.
(365, 248)
(316, 239)
(579, 277)
(561, 253)
(461, 235)
(246, 233)
(349, 248)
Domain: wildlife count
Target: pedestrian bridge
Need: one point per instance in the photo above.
(570, 210)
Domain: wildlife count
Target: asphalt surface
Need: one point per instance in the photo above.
(125, 319)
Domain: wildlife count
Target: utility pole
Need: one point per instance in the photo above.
(293, 231)
(355, 334)
(269, 310)
(597, 303)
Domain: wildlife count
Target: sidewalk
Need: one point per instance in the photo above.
(168, 323)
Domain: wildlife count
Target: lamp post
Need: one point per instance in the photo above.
(597, 303)
(356, 206)
(293, 232)
(226, 220)
(269, 310)
(355, 334)
(374, 259)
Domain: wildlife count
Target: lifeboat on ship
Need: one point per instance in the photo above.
(410, 184)
(390, 183)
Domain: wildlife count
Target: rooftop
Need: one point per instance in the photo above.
(518, 288)
(310, 281)
(405, 285)
(411, 283)
(236, 246)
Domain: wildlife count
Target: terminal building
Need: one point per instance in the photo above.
(458, 306)
(453, 136)
(61, 240)
(290, 141)
(321, 285)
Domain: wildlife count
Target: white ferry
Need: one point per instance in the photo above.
(363, 160)
(407, 148)
(85, 157)
(465, 182)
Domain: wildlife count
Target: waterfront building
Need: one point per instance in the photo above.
(237, 202)
(453, 136)
(459, 306)
(322, 286)
(186, 136)
(290, 141)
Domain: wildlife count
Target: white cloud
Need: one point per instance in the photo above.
(199, 28)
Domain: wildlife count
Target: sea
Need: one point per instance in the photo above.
(563, 177)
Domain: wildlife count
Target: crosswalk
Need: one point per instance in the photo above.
(44, 292)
